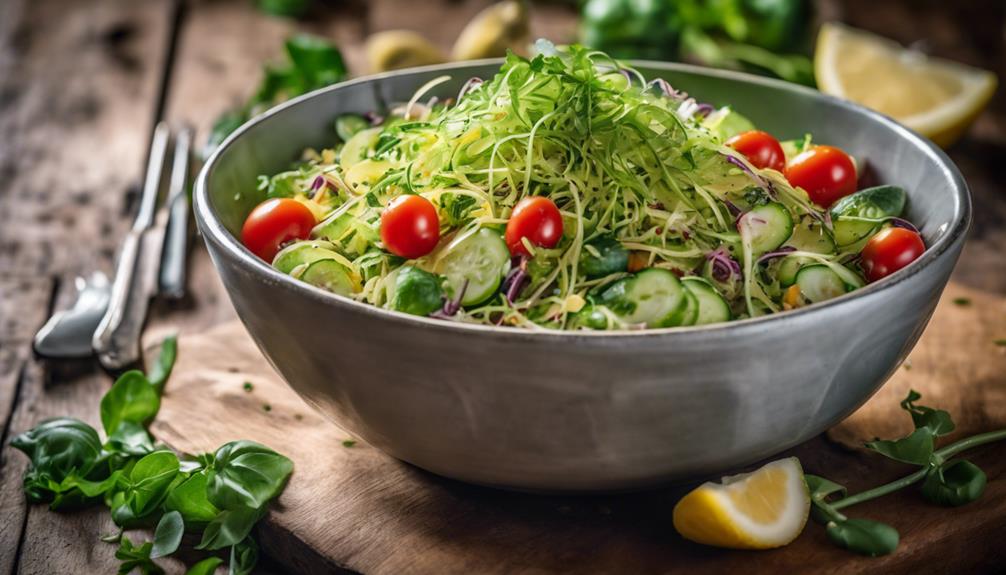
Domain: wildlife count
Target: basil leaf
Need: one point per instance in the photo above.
(316, 63)
(230, 527)
(917, 448)
(96, 488)
(149, 481)
(954, 484)
(938, 421)
(168, 534)
(161, 370)
(131, 398)
(130, 439)
(57, 449)
(864, 536)
(244, 556)
(877, 203)
(189, 499)
(205, 567)
(134, 557)
(246, 474)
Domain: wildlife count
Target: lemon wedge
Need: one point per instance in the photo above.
(937, 98)
(760, 510)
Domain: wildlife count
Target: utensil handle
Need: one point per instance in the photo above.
(110, 341)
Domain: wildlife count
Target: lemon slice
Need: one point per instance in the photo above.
(937, 98)
(759, 510)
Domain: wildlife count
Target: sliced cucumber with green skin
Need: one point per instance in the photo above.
(766, 227)
(481, 260)
(818, 283)
(355, 149)
(859, 215)
(712, 308)
(329, 275)
(301, 253)
(348, 125)
(590, 317)
(654, 297)
(611, 257)
(690, 315)
(788, 268)
(811, 238)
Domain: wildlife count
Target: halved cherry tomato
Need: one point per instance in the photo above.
(537, 219)
(760, 148)
(273, 223)
(890, 250)
(826, 173)
(410, 227)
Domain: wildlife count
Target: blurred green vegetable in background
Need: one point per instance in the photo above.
(312, 63)
(764, 36)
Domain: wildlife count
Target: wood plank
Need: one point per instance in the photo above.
(79, 81)
(354, 508)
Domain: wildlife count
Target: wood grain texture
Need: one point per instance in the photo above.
(354, 508)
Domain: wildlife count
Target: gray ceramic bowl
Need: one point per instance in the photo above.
(562, 411)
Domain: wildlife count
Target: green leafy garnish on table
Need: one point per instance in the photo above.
(945, 481)
(221, 495)
(766, 36)
(311, 63)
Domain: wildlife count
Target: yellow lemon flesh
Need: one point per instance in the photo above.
(760, 510)
(937, 98)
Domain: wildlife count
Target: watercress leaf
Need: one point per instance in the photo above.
(863, 536)
(820, 488)
(136, 557)
(150, 480)
(229, 527)
(205, 567)
(244, 556)
(917, 448)
(57, 448)
(246, 474)
(131, 398)
(130, 439)
(954, 484)
(936, 420)
(189, 499)
(160, 371)
(168, 534)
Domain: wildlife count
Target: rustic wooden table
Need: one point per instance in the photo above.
(82, 83)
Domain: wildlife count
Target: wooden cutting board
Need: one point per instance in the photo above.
(349, 507)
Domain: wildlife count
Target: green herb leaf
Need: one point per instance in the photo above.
(230, 527)
(130, 439)
(134, 557)
(57, 449)
(954, 484)
(205, 567)
(288, 8)
(244, 556)
(161, 370)
(917, 448)
(168, 534)
(937, 421)
(864, 536)
(820, 488)
(149, 481)
(189, 499)
(246, 474)
(131, 398)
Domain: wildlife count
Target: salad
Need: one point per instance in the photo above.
(570, 192)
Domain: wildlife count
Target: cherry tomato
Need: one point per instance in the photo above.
(537, 219)
(273, 223)
(890, 250)
(410, 227)
(825, 172)
(760, 148)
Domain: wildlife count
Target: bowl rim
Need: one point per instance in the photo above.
(213, 230)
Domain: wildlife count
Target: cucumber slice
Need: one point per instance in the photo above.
(811, 237)
(691, 312)
(611, 257)
(766, 227)
(348, 125)
(852, 214)
(329, 275)
(788, 268)
(355, 149)
(712, 308)
(654, 297)
(819, 283)
(482, 259)
(848, 232)
(296, 255)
